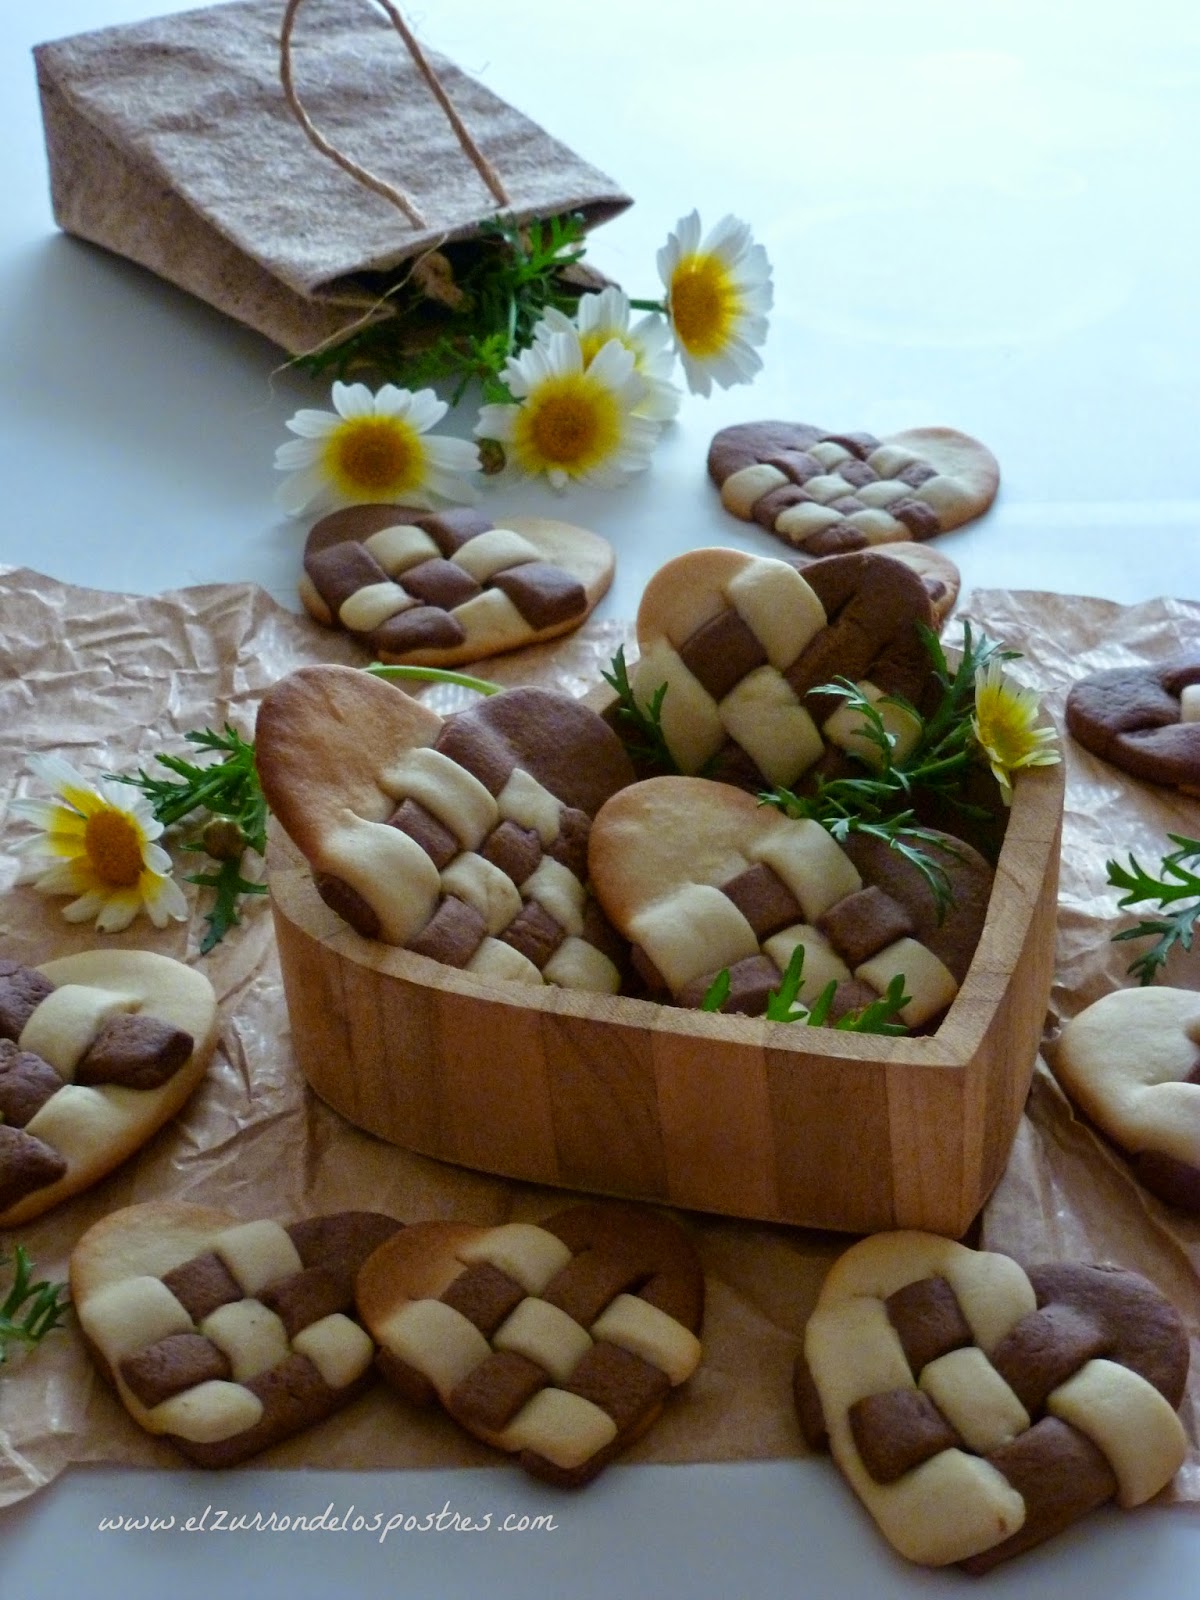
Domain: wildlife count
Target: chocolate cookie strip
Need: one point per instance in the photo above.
(1011, 1402)
(433, 585)
(832, 492)
(231, 1350)
(1145, 720)
(556, 1342)
(91, 1041)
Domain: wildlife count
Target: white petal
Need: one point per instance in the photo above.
(86, 907)
(552, 321)
(120, 911)
(57, 773)
(313, 424)
(497, 422)
(613, 366)
(304, 492)
(166, 902)
(297, 454)
(353, 400)
(452, 454)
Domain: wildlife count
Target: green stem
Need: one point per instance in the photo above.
(170, 814)
(379, 669)
(649, 305)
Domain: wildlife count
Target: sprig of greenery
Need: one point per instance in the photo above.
(784, 1003)
(400, 673)
(1176, 890)
(499, 285)
(228, 795)
(30, 1310)
(640, 727)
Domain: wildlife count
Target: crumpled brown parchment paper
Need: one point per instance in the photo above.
(108, 680)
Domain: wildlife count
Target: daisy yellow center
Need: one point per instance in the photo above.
(703, 304)
(114, 848)
(1006, 728)
(375, 458)
(569, 423)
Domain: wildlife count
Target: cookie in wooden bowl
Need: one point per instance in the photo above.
(733, 648)
(701, 878)
(97, 1051)
(557, 1342)
(440, 588)
(225, 1336)
(977, 1408)
(827, 493)
(464, 839)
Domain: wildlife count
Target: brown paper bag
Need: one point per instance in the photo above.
(171, 142)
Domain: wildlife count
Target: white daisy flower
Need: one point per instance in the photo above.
(604, 316)
(374, 447)
(97, 843)
(718, 294)
(571, 419)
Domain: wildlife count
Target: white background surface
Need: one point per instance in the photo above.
(983, 215)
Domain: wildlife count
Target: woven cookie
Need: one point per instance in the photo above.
(741, 642)
(1131, 1061)
(978, 1409)
(440, 588)
(226, 1337)
(701, 878)
(463, 840)
(831, 492)
(557, 1342)
(940, 576)
(1145, 720)
(97, 1052)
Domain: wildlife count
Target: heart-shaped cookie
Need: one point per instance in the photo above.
(224, 1336)
(733, 645)
(97, 1052)
(463, 839)
(700, 877)
(1145, 720)
(831, 492)
(978, 1409)
(557, 1342)
(444, 587)
(1131, 1060)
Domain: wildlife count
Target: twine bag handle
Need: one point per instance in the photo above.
(381, 187)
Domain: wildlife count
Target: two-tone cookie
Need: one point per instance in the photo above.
(1145, 720)
(444, 587)
(701, 878)
(977, 1408)
(733, 648)
(463, 840)
(827, 493)
(97, 1052)
(223, 1336)
(1131, 1062)
(557, 1342)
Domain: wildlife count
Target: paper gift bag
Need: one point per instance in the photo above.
(173, 143)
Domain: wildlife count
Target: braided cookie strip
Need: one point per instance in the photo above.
(1145, 720)
(1131, 1060)
(226, 1337)
(741, 642)
(978, 1409)
(97, 1052)
(557, 1342)
(700, 877)
(442, 588)
(831, 492)
(463, 840)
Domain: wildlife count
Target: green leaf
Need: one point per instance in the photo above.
(31, 1309)
(783, 1004)
(717, 992)
(1175, 889)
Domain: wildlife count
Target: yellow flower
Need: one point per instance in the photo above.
(97, 843)
(1005, 726)
(374, 448)
(604, 316)
(571, 420)
(718, 294)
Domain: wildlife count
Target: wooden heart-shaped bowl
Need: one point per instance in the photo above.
(734, 1115)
